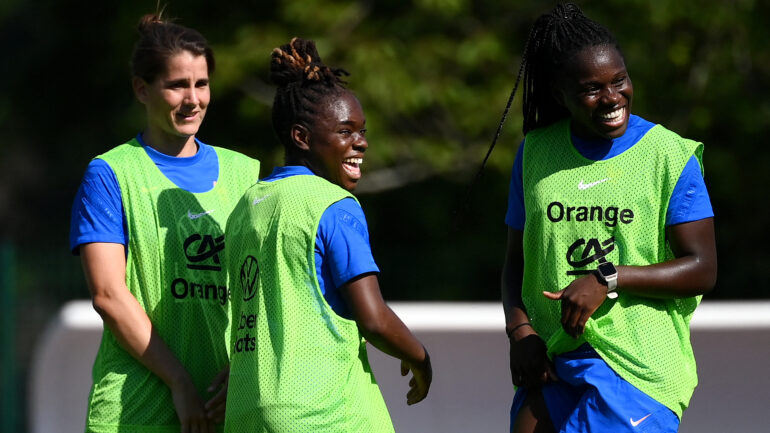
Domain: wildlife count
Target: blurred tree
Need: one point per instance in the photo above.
(433, 76)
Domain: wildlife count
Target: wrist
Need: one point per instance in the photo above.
(512, 330)
(426, 358)
(178, 380)
(607, 274)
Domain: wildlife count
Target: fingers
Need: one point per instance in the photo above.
(220, 379)
(419, 384)
(529, 362)
(554, 296)
(551, 372)
(418, 390)
(217, 413)
(574, 318)
(404, 368)
(215, 407)
(570, 318)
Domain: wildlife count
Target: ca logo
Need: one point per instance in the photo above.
(592, 250)
(208, 247)
(249, 272)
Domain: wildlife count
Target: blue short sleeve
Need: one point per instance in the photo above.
(97, 211)
(515, 216)
(342, 251)
(690, 200)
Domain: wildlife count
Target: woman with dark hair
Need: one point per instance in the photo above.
(610, 244)
(305, 291)
(148, 222)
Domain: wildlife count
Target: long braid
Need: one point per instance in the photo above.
(303, 81)
(555, 38)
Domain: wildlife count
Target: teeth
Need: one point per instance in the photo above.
(612, 115)
(354, 160)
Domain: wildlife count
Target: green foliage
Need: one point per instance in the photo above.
(433, 76)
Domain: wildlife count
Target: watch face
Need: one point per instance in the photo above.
(607, 268)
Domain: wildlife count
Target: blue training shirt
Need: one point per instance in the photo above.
(97, 211)
(689, 201)
(342, 249)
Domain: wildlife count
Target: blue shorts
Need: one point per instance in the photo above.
(590, 397)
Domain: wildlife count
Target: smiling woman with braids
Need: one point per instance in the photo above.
(305, 291)
(610, 244)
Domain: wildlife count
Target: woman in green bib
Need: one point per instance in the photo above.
(610, 244)
(305, 296)
(148, 222)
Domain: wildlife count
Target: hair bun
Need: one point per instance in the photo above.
(299, 62)
(147, 21)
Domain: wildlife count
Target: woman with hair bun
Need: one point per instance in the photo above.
(610, 244)
(305, 292)
(148, 222)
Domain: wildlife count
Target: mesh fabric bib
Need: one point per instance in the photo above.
(174, 269)
(579, 212)
(296, 366)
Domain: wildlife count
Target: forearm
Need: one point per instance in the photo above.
(378, 323)
(682, 277)
(104, 267)
(513, 307)
(511, 280)
(391, 336)
(693, 271)
(136, 334)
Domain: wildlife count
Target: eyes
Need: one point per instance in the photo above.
(346, 132)
(183, 84)
(592, 89)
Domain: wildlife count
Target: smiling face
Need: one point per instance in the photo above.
(176, 102)
(597, 91)
(335, 144)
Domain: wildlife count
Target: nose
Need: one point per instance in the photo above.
(361, 144)
(611, 96)
(191, 96)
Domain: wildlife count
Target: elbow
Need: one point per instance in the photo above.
(709, 280)
(373, 326)
(103, 304)
(371, 329)
(706, 276)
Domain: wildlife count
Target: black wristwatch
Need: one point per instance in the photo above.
(609, 274)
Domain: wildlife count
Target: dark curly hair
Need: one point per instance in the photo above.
(303, 81)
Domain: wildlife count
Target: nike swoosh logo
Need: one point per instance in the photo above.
(260, 199)
(582, 186)
(194, 216)
(636, 423)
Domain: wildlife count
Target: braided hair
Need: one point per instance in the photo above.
(159, 40)
(303, 81)
(554, 39)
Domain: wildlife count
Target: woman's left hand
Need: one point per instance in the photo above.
(215, 407)
(579, 300)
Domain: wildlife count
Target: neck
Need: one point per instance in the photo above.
(170, 145)
(301, 160)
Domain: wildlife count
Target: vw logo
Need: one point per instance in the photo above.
(249, 272)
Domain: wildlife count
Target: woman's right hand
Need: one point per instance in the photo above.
(530, 365)
(189, 407)
(422, 376)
